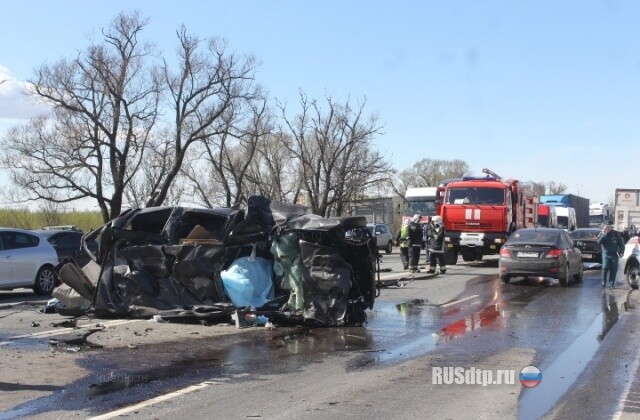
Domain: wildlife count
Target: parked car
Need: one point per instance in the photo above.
(629, 263)
(384, 237)
(543, 252)
(585, 239)
(28, 260)
(67, 243)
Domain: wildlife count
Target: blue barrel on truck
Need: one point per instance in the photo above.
(580, 204)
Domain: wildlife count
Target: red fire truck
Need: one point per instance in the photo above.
(480, 213)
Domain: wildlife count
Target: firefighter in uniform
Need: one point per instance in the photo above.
(402, 240)
(436, 246)
(416, 242)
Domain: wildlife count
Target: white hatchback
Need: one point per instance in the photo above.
(27, 260)
(629, 263)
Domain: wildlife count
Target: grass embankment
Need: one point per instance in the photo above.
(27, 219)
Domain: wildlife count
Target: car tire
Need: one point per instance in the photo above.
(563, 277)
(389, 248)
(580, 274)
(633, 276)
(505, 279)
(46, 281)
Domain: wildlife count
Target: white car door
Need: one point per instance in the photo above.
(26, 259)
(5, 262)
(21, 258)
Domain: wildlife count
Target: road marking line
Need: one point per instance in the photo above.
(51, 333)
(623, 401)
(459, 301)
(159, 399)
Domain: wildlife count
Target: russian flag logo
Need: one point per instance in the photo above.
(530, 376)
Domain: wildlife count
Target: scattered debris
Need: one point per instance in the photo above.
(75, 340)
(67, 323)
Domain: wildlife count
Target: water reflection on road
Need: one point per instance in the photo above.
(395, 331)
(560, 375)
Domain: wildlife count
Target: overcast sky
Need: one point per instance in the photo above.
(534, 90)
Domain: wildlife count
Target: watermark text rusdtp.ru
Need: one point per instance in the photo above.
(449, 375)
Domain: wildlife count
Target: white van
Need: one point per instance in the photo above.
(566, 218)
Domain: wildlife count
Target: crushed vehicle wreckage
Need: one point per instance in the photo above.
(276, 260)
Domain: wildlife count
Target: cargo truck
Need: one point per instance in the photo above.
(627, 211)
(599, 213)
(579, 204)
(424, 201)
(547, 216)
(566, 218)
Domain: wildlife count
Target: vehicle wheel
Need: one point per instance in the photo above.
(468, 255)
(505, 279)
(451, 257)
(578, 276)
(46, 281)
(389, 248)
(563, 277)
(633, 276)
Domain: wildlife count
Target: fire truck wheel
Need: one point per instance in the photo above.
(451, 257)
(468, 254)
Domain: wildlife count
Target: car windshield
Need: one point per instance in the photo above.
(584, 234)
(475, 196)
(563, 222)
(426, 208)
(533, 236)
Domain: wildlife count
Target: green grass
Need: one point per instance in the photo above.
(27, 219)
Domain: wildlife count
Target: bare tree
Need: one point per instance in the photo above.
(209, 97)
(334, 152)
(543, 188)
(158, 156)
(273, 171)
(532, 188)
(429, 173)
(104, 109)
(554, 188)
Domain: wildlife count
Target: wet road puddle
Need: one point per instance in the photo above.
(70, 340)
(394, 332)
(423, 327)
(558, 377)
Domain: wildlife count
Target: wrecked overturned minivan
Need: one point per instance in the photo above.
(274, 259)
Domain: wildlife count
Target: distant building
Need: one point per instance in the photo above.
(377, 210)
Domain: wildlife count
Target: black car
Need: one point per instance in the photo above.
(67, 243)
(585, 239)
(541, 252)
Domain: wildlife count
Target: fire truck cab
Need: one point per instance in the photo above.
(480, 213)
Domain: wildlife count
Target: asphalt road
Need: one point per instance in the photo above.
(434, 346)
